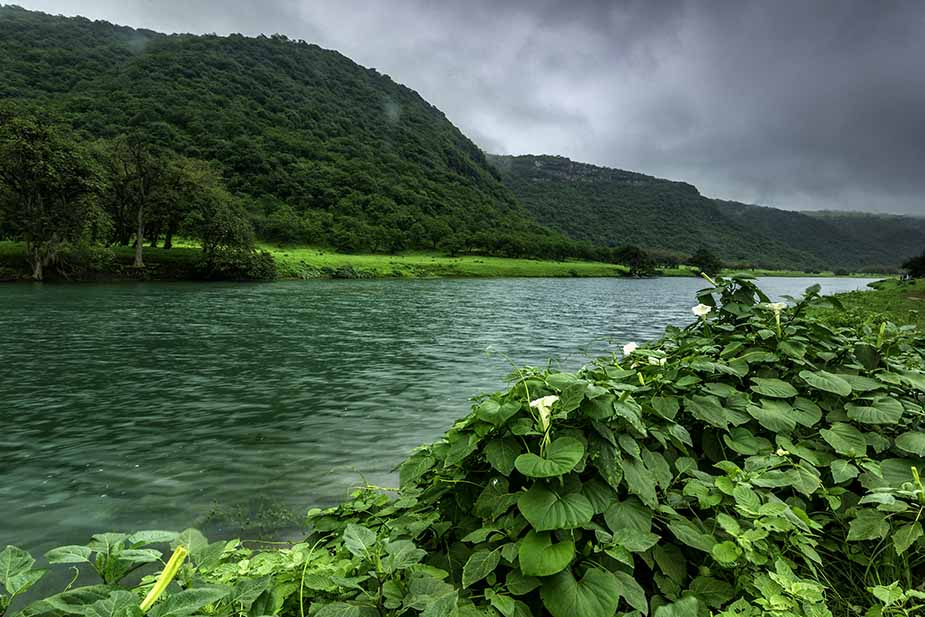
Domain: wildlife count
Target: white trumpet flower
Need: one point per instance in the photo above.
(543, 406)
(701, 310)
(629, 348)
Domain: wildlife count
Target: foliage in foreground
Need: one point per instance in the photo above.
(757, 462)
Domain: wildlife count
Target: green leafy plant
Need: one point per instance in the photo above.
(760, 461)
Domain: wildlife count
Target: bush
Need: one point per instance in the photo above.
(757, 462)
(240, 264)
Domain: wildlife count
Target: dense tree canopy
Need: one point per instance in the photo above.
(47, 186)
(915, 266)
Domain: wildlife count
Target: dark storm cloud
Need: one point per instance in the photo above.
(792, 104)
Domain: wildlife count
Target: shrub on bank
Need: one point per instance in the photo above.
(757, 462)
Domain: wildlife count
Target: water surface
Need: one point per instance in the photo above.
(168, 405)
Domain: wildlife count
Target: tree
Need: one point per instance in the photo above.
(214, 217)
(706, 262)
(47, 185)
(137, 179)
(637, 260)
(916, 266)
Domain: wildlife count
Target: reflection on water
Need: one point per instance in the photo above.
(145, 405)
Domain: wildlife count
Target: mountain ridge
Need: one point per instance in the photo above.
(615, 206)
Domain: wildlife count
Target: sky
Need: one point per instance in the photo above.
(793, 104)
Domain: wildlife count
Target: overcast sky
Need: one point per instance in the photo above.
(798, 105)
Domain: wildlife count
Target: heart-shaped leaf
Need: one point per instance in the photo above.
(539, 556)
(597, 594)
(547, 510)
(560, 457)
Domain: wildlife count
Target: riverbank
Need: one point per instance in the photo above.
(303, 263)
(900, 302)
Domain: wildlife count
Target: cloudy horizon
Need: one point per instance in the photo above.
(793, 105)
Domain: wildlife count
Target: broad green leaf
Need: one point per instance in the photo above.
(806, 412)
(709, 410)
(479, 565)
(868, 525)
(494, 413)
(194, 542)
(597, 594)
(119, 604)
(845, 439)
(13, 562)
(640, 481)
(725, 552)
(73, 553)
(22, 582)
(503, 604)
(690, 535)
(501, 453)
(414, 467)
(666, 406)
(152, 536)
(774, 415)
(189, 601)
(628, 514)
(359, 540)
(905, 536)
(842, 471)
(867, 355)
(711, 591)
(600, 494)
(827, 382)
(539, 556)
(560, 457)
(73, 602)
(143, 555)
(444, 606)
(859, 383)
(773, 388)
(548, 510)
(632, 592)
(518, 584)
(338, 609)
(671, 561)
(883, 410)
(401, 554)
(912, 442)
(635, 541)
(685, 607)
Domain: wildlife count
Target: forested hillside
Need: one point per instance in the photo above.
(616, 207)
(315, 149)
(326, 151)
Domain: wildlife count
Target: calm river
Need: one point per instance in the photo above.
(235, 408)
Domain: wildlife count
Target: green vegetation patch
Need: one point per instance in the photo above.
(759, 461)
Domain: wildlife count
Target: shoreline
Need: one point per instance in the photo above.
(306, 263)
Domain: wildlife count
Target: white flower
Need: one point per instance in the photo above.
(658, 361)
(629, 348)
(546, 401)
(543, 406)
(701, 310)
(777, 307)
(781, 452)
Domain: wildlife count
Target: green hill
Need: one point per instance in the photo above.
(326, 150)
(615, 207)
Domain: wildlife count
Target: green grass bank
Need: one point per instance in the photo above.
(304, 262)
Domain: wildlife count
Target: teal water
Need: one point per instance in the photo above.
(169, 405)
